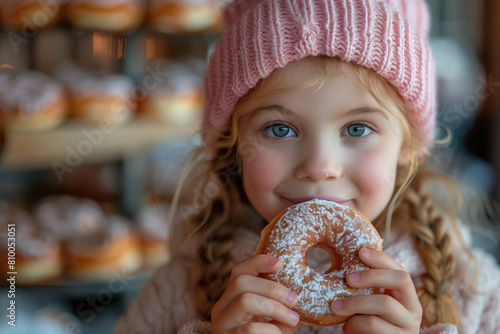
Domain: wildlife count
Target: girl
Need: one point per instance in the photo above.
(330, 99)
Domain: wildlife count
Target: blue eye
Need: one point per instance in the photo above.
(357, 130)
(279, 131)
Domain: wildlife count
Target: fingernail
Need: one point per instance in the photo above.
(354, 277)
(291, 296)
(367, 252)
(337, 305)
(273, 260)
(293, 315)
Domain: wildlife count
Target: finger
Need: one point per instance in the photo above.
(255, 285)
(369, 324)
(261, 287)
(255, 328)
(398, 282)
(383, 306)
(243, 279)
(378, 259)
(256, 265)
(247, 306)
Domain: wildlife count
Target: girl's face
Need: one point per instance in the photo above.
(334, 143)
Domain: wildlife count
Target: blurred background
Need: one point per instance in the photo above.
(98, 104)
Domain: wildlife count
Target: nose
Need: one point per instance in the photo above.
(318, 162)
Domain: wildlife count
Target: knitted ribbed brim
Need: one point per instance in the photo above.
(388, 37)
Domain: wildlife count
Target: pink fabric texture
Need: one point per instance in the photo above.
(388, 37)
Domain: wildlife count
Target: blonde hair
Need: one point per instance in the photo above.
(226, 207)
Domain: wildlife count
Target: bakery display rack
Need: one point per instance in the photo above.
(37, 163)
(76, 144)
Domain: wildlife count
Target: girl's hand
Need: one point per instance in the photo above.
(249, 299)
(398, 310)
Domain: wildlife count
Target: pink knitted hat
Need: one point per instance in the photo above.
(386, 36)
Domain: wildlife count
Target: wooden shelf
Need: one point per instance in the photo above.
(74, 144)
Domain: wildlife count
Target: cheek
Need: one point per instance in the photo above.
(377, 173)
(261, 173)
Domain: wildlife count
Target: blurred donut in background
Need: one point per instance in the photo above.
(184, 16)
(94, 244)
(37, 255)
(30, 15)
(94, 98)
(153, 229)
(31, 101)
(120, 16)
(177, 98)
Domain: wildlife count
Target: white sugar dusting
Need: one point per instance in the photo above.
(306, 224)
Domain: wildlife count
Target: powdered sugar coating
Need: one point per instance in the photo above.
(29, 93)
(300, 228)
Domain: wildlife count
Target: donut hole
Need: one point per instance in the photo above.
(323, 259)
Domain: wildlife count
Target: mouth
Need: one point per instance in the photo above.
(337, 200)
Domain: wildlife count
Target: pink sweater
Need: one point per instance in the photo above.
(165, 306)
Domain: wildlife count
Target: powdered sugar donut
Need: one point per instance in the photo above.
(178, 98)
(97, 255)
(30, 15)
(31, 101)
(185, 16)
(341, 231)
(38, 255)
(94, 244)
(111, 15)
(97, 98)
(153, 231)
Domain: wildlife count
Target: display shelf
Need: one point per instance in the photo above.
(75, 144)
(115, 284)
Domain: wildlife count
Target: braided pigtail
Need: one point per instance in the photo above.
(209, 206)
(216, 265)
(434, 246)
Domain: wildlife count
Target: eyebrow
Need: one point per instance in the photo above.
(355, 111)
(366, 110)
(284, 110)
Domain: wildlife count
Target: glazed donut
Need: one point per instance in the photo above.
(339, 230)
